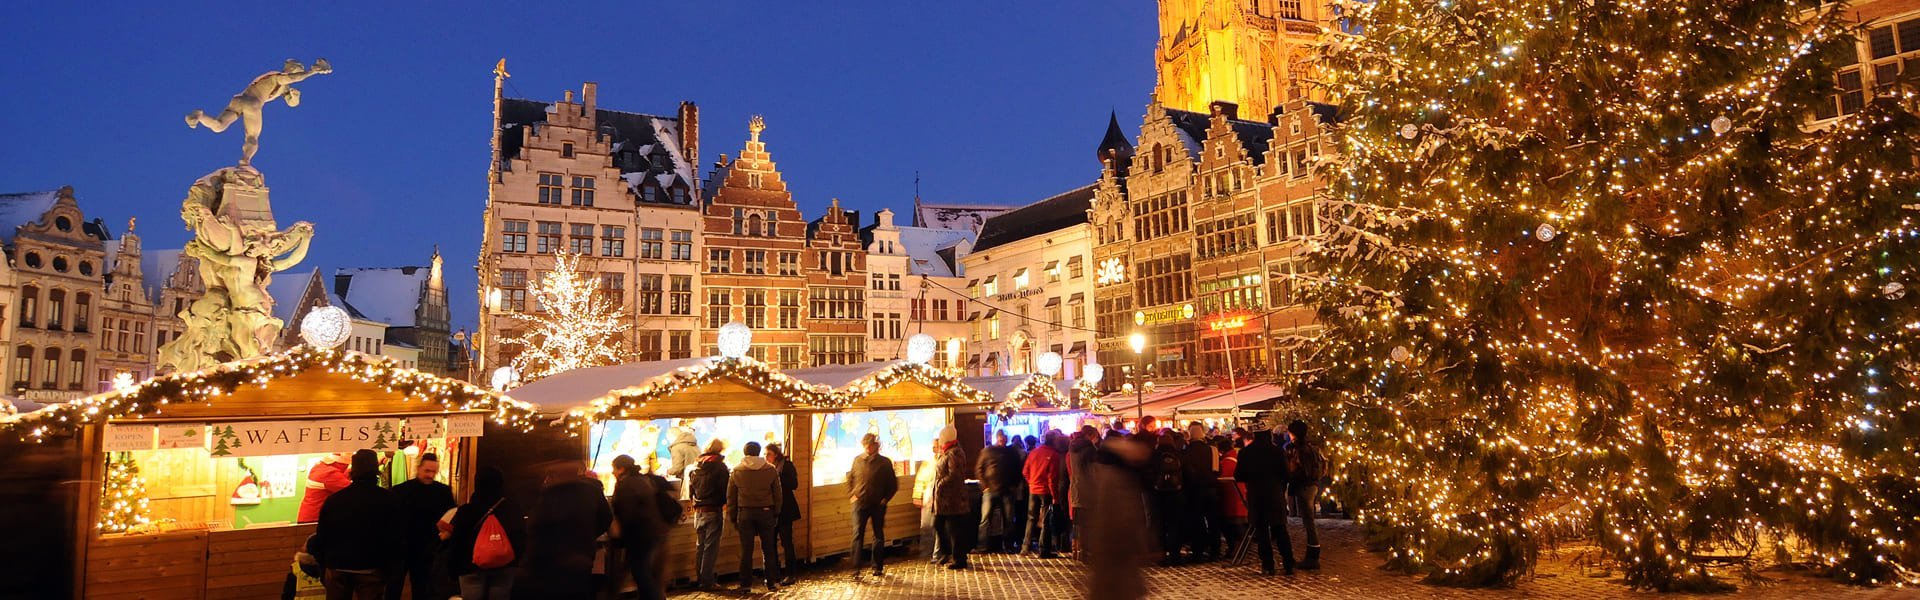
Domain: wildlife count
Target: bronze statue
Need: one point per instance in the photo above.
(247, 104)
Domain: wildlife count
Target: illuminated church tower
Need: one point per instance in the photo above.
(1252, 53)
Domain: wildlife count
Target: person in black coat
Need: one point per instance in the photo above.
(636, 509)
(1263, 469)
(1001, 482)
(358, 537)
(564, 532)
(789, 510)
(489, 498)
(423, 500)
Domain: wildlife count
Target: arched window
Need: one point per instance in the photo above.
(23, 366)
(76, 369)
(29, 306)
(56, 308)
(753, 225)
(50, 369)
(81, 303)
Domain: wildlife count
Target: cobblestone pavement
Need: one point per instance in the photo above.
(1350, 572)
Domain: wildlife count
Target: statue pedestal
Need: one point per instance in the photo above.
(245, 204)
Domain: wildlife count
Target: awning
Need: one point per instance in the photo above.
(973, 317)
(1079, 348)
(1020, 271)
(1074, 260)
(1052, 265)
(1056, 348)
(974, 361)
(972, 282)
(1077, 298)
(1250, 397)
(1160, 403)
(989, 279)
(992, 359)
(1054, 301)
(990, 313)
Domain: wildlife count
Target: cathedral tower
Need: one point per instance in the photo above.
(1253, 53)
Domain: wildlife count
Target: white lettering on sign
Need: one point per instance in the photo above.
(124, 438)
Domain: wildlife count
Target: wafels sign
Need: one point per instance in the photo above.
(271, 438)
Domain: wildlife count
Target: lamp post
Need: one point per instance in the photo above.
(1138, 342)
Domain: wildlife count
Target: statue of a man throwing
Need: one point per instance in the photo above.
(246, 105)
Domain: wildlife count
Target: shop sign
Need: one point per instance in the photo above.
(1225, 323)
(124, 438)
(1021, 293)
(183, 435)
(466, 425)
(1175, 353)
(268, 438)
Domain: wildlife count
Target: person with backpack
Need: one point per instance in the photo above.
(487, 537)
(639, 510)
(707, 486)
(789, 511)
(1167, 476)
(1304, 487)
(1263, 470)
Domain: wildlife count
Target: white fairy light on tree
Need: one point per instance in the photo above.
(573, 329)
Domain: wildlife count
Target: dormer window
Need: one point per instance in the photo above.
(679, 195)
(33, 260)
(650, 193)
(566, 150)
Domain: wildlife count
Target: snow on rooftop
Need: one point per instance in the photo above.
(286, 290)
(663, 131)
(387, 295)
(956, 216)
(21, 209)
(155, 267)
(923, 245)
(578, 387)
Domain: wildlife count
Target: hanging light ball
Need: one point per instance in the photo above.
(503, 378)
(735, 339)
(1401, 354)
(920, 348)
(1721, 125)
(1409, 131)
(1093, 373)
(1050, 364)
(1893, 290)
(326, 327)
(1546, 232)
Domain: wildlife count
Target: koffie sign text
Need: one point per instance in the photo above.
(267, 438)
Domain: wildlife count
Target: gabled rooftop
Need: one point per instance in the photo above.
(1046, 216)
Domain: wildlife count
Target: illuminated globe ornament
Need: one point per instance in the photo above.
(920, 348)
(1409, 131)
(1546, 232)
(1722, 124)
(503, 378)
(326, 327)
(735, 340)
(1894, 290)
(1401, 354)
(1050, 364)
(1093, 373)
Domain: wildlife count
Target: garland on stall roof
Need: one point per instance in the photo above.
(1087, 396)
(150, 398)
(947, 385)
(625, 402)
(1037, 391)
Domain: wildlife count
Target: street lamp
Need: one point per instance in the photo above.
(1138, 341)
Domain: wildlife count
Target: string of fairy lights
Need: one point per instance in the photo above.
(1593, 274)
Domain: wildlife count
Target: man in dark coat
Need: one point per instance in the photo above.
(423, 500)
(1000, 483)
(789, 510)
(1201, 519)
(641, 530)
(358, 538)
(707, 487)
(564, 533)
(1263, 469)
(871, 483)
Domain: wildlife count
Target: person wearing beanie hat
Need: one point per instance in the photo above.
(950, 502)
(359, 533)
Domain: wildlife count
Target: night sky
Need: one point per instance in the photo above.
(990, 102)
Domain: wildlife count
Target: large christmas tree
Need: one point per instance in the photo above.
(573, 326)
(1612, 270)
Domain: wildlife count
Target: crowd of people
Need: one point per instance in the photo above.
(1203, 495)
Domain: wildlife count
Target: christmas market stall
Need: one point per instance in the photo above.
(1034, 404)
(663, 413)
(197, 484)
(1228, 409)
(906, 403)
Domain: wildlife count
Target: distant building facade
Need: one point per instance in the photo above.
(756, 241)
(411, 302)
(915, 287)
(1031, 283)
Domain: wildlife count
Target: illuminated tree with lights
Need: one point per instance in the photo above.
(123, 497)
(572, 328)
(1603, 271)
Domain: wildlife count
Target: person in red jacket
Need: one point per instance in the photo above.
(326, 477)
(1233, 496)
(1042, 469)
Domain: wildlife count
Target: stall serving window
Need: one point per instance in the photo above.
(650, 443)
(221, 476)
(906, 437)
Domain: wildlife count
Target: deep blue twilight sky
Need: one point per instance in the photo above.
(994, 101)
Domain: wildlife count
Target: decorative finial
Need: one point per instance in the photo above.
(756, 125)
(130, 221)
(500, 69)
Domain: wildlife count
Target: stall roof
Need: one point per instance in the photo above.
(877, 384)
(579, 387)
(999, 386)
(1227, 402)
(1160, 403)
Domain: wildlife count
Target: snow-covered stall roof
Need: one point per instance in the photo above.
(854, 383)
(580, 387)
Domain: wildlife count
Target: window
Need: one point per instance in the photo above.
(1020, 279)
(773, 218)
(756, 262)
(1053, 272)
(790, 312)
(582, 191)
(789, 263)
(739, 220)
(679, 195)
(581, 242)
(993, 328)
(613, 241)
(680, 298)
(650, 345)
(513, 236)
(550, 191)
(1164, 280)
(1078, 309)
(566, 150)
(719, 260)
(893, 281)
(940, 310)
(513, 292)
(106, 334)
(837, 349)
(682, 244)
(790, 357)
(548, 240)
(719, 307)
(650, 245)
(753, 225)
(50, 369)
(139, 335)
(918, 309)
(1281, 286)
(23, 366)
(613, 288)
(679, 344)
(649, 193)
(1300, 220)
(753, 180)
(1053, 313)
(121, 342)
(82, 302)
(1075, 269)
(650, 294)
(836, 303)
(989, 287)
(756, 309)
(56, 308)
(30, 305)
